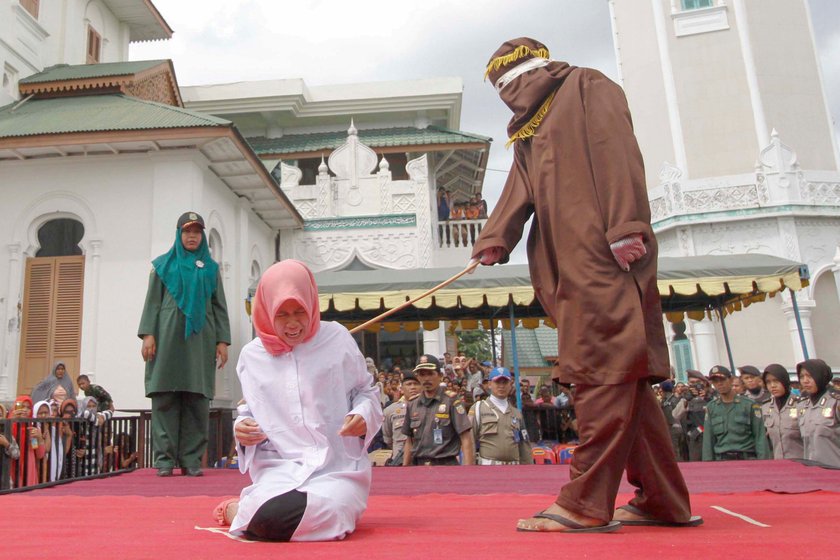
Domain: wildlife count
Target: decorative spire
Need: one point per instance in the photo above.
(322, 168)
(352, 130)
(384, 165)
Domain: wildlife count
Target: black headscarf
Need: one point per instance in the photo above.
(820, 372)
(780, 373)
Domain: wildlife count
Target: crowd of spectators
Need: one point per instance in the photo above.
(452, 210)
(56, 435)
(755, 414)
(746, 414)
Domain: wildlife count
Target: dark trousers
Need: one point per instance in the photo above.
(621, 427)
(278, 518)
(180, 424)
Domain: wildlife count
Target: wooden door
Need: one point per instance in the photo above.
(51, 329)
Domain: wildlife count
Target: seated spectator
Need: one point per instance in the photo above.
(57, 377)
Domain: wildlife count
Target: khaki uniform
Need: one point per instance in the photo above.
(392, 429)
(424, 416)
(819, 425)
(734, 431)
(501, 436)
(783, 428)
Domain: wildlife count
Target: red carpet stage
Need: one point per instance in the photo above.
(753, 509)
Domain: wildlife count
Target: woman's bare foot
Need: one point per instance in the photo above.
(226, 511)
(549, 525)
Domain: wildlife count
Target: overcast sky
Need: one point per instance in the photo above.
(339, 41)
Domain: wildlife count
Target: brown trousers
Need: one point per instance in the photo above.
(622, 427)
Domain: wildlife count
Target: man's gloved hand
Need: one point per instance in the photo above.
(627, 250)
(491, 255)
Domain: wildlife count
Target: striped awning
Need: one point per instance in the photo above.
(689, 286)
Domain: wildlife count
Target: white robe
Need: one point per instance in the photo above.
(300, 400)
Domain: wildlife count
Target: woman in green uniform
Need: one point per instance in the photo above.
(185, 332)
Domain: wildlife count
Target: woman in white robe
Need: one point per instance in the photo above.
(309, 400)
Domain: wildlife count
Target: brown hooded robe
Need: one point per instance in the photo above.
(582, 177)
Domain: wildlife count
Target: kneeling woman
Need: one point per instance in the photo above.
(309, 401)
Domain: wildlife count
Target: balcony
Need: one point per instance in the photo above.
(454, 241)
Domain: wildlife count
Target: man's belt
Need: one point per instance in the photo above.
(441, 461)
(483, 461)
(736, 455)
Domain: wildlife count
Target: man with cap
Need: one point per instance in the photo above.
(185, 332)
(733, 428)
(592, 255)
(437, 427)
(754, 385)
(499, 427)
(392, 432)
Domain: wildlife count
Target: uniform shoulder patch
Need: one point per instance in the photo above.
(459, 408)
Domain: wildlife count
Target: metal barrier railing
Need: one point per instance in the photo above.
(72, 449)
(549, 423)
(79, 448)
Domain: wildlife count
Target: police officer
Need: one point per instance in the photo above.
(733, 429)
(780, 414)
(392, 433)
(437, 426)
(691, 413)
(669, 402)
(498, 426)
(819, 413)
(755, 389)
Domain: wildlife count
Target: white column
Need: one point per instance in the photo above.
(806, 307)
(836, 270)
(90, 317)
(11, 327)
(703, 336)
(669, 82)
(752, 76)
(434, 342)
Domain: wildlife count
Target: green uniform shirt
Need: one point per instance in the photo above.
(424, 415)
(182, 364)
(735, 426)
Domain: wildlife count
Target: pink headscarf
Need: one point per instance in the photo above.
(283, 281)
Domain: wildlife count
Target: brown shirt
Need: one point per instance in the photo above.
(582, 178)
(424, 415)
(392, 426)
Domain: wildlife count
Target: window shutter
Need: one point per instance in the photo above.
(35, 330)
(52, 318)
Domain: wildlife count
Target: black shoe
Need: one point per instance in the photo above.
(191, 471)
(164, 471)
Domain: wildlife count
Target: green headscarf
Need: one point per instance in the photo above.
(190, 278)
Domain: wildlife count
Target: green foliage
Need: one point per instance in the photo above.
(475, 344)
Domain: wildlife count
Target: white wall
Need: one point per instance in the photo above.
(129, 206)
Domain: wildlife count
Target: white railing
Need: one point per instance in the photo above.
(458, 233)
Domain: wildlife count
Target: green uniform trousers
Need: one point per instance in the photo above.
(180, 424)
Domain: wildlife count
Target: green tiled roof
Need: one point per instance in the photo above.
(94, 113)
(61, 72)
(530, 346)
(375, 138)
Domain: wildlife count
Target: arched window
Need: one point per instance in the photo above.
(60, 238)
(214, 240)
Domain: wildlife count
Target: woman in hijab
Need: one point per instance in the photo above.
(31, 442)
(780, 416)
(819, 413)
(185, 332)
(57, 378)
(42, 411)
(309, 401)
(67, 441)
